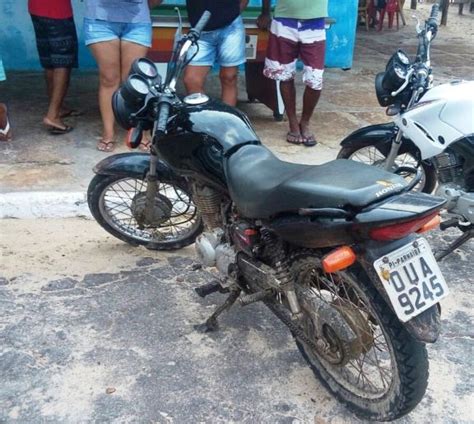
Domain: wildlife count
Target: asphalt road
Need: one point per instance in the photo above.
(92, 330)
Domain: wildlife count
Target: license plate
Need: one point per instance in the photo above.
(412, 279)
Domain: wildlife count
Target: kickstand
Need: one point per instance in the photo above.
(455, 244)
(211, 322)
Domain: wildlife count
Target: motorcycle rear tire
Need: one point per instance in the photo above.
(410, 357)
(100, 183)
(429, 171)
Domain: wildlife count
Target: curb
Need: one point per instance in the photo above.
(44, 204)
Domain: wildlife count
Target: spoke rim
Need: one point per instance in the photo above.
(115, 206)
(372, 374)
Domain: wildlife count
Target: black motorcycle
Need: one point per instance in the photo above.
(332, 250)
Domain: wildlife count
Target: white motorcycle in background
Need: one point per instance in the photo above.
(432, 132)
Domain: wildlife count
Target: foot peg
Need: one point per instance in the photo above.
(208, 289)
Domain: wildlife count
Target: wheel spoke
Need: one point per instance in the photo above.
(119, 204)
(367, 372)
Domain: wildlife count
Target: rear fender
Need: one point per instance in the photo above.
(426, 326)
(132, 165)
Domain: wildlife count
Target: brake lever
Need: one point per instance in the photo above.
(418, 24)
(404, 85)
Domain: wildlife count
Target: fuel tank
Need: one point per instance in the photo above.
(202, 136)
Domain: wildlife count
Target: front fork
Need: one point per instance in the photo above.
(394, 149)
(390, 162)
(151, 189)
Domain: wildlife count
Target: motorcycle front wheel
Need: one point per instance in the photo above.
(117, 203)
(380, 374)
(370, 155)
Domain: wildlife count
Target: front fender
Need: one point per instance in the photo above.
(132, 165)
(379, 135)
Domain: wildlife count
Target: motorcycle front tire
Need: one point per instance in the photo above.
(95, 197)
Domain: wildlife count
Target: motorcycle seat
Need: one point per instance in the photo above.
(261, 185)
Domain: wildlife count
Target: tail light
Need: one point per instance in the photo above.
(398, 231)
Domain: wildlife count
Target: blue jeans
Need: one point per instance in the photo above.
(224, 46)
(97, 30)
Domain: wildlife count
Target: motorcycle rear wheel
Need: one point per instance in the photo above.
(384, 374)
(114, 202)
(370, 155)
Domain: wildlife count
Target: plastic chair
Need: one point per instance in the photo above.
(392, 8)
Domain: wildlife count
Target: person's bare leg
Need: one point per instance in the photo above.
(228, 77)
(58, 92)
(128, 53)
(195, 78)
(107, 55)
(48, 76)
(310, 100)
(288, 94)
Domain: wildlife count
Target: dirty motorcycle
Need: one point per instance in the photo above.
(432, 133)
(333, 250)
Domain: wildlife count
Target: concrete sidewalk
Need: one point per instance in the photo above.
(60, 167)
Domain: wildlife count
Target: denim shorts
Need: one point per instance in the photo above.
(224, 46)
(97, 31)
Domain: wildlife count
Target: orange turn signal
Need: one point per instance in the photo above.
(430, 225)
(338, 259)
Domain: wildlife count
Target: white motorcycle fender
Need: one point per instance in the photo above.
(443, 115)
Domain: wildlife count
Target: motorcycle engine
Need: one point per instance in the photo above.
(213, 251)
(454, 186)
(449, 168)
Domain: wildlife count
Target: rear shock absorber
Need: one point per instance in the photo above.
(282, 269)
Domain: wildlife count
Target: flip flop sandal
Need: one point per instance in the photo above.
(53, 130)
(106, 145)
(6, 133)
(294, 138)
(71, 113)
(144, 146)
(309, 140)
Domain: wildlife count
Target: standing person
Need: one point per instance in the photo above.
(5, 129)
(297, 31)
(117, 32)
(56, 41)
(221, 42)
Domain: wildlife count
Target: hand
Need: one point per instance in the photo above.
(264, 20)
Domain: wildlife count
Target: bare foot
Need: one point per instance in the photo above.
(56, 126)
(308, 136)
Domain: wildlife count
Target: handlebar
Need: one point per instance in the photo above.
(163, 115)
(434, 14)
(195, 32)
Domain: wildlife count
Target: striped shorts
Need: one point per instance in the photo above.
(291, 39)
